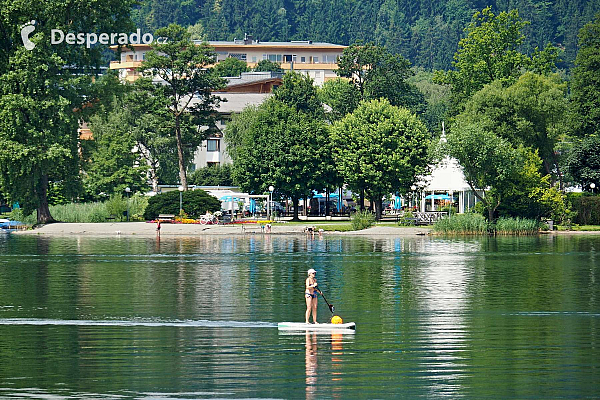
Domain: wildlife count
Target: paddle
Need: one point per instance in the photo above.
(331, 308)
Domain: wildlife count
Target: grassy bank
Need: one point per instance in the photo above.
(476, 224)
(110, 210)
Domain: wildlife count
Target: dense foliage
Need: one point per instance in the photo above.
(283, 142)
(425, 32)
(195, 203)
(585, 85)
(380, 149)
(43, 93)
(187, 89)
(212, 175)
(587, 209)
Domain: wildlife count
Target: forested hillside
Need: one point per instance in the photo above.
(424, 31)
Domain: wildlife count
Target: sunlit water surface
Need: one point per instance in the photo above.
(474, 318)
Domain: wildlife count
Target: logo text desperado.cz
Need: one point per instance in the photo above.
(89, 39)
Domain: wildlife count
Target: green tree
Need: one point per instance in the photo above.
(113, 165)
(381, 149)
(196, 31)
(585, 84)
(530, 112)
(490, 52)
(274, 144)
(341, 96)
(377, 73)
(490, 164)
(267, 66)
(39, 91)
(298, 91)
(584, 162)
(213, 175)
(231, 66)
(188, 82)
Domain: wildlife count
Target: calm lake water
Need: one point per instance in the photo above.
(469, 318)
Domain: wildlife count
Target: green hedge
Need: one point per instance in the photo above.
(195, 204)
(587, 209)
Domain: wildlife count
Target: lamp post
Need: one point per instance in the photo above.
(180, 200)
(127, 190)
(413, 188)
(271, 189)
(592, 186)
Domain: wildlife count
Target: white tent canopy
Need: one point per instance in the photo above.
(446, 178)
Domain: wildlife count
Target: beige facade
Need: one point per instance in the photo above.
(317, 60)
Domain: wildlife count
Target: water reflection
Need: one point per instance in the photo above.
(311, 365)
(444, 276)
(436, 317)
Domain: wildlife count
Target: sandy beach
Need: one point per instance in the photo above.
(144, 229)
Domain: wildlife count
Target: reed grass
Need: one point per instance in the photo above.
(88, 212)
(517, 226)
(462, 224)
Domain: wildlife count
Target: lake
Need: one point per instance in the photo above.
(473, 318)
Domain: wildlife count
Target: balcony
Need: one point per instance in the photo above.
(286, 66)
(125, 64)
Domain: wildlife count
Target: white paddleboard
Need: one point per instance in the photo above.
(301, 326)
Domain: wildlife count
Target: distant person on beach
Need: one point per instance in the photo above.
(310, 294)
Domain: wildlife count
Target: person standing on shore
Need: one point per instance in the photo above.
(158, 228)
(310, 294)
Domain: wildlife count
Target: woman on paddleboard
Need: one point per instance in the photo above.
(311, 295)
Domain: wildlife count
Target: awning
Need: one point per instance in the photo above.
(438, 197)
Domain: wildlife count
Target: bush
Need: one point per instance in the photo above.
(362, 220)
(462, 224)
(116, 205)
(195, 204)
(406, 219)
(137, 206)
(587, 209)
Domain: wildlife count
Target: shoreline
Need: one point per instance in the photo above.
(145, 229)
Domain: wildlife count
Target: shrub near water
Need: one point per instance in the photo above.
(462, 224)
(195, 204)
(362, 220)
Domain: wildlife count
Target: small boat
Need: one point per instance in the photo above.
(349, 327)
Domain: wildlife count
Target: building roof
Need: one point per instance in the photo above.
(446, 176)
(236, 102)
(252, 77)
(301, 44)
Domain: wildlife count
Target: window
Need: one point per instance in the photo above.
(329, 58)
(253, 59)
(239, 56)
(212, 164)
(316, 60)
(302, 59)
(273, 57)
(212, 145)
